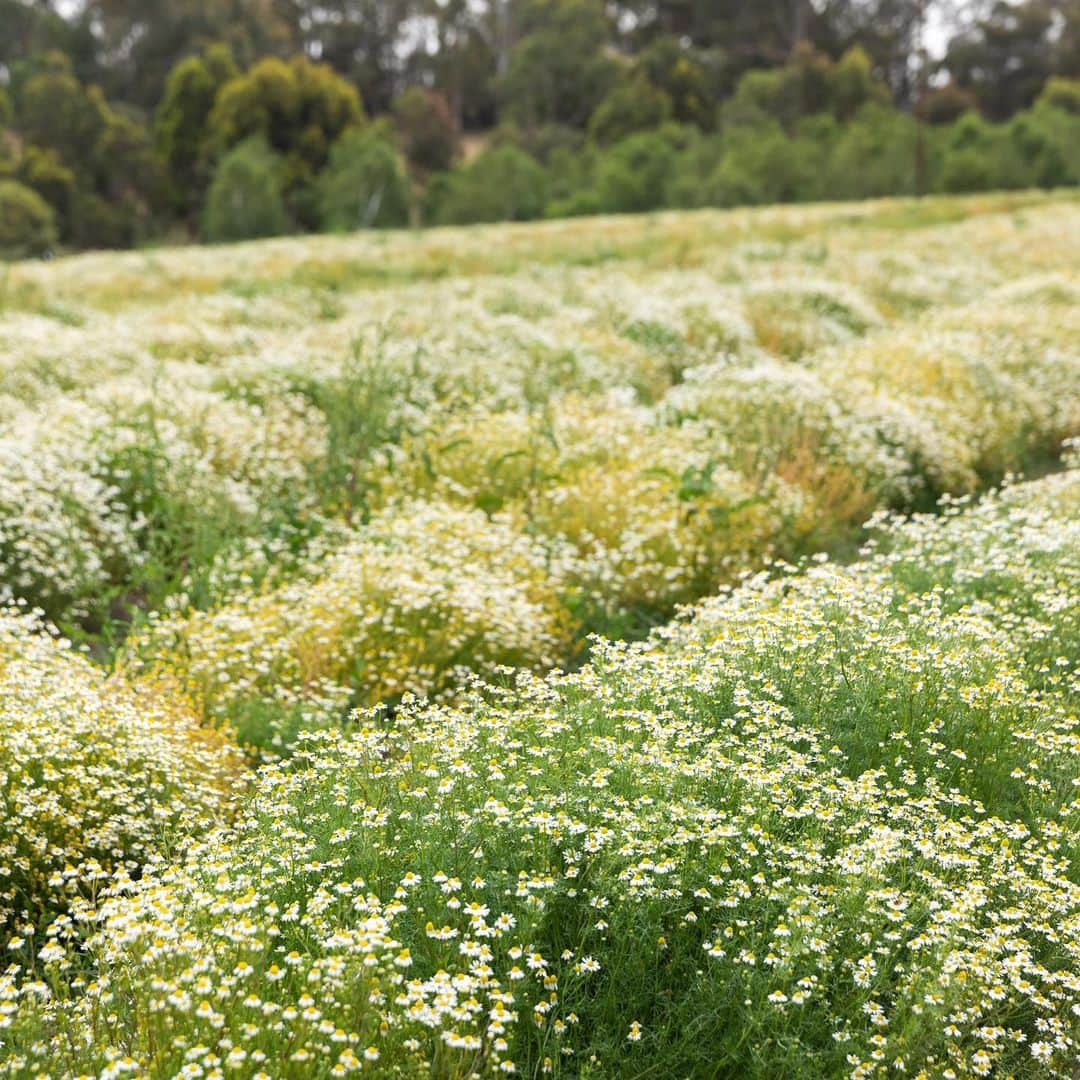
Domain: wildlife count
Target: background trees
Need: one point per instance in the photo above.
(429, 134)
(181, 121)
(120, 115)
(91, 162)
(27, 223)
(1006, 54)
(364, 186)
(246, 199)
(140, 41)
(561, 66)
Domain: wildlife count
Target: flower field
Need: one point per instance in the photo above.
(624, 647)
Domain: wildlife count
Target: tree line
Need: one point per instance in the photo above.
(123, 122)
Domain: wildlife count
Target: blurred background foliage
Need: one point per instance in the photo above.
(124, 123)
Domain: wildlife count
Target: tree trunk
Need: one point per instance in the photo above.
(504, 34)
(800, 23)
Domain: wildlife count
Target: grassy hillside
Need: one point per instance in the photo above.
(362, 506)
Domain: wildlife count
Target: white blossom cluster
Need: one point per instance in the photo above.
(362, 507)
(94, 773)
(826, 823)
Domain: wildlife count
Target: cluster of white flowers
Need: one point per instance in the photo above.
(822, 824)
(636, 511)
(406, 604)
(84, 479)
(180, 386)
(830, 816)
(94, 772)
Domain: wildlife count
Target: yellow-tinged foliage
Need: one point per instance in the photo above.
(96, 776)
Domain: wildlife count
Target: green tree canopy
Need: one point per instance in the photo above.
(299, 107)
(180, 124)
(365, 185)
(633, 105)
(141, 41)
(57, 112)
(27, 225)
(690, 77)
(246, 198)
(426, 128)
(1005, 58)
(559, 70)
(1061, 94)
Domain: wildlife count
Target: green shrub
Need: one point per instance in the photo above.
(633, 175)
(852, 84)
(808, 84)
(245, 199)
(685, 75)
(687, 186)
(43, 171)
(732, 185)
(874, 155)
(364, 186)
(1060, 93)
(1062, 128)
(799, 88)
(436, 192)
(967, 165)
(571, 179)
(946, 104)
(57, 111)
(9, 155)
(546, 142)
(1042, 161)
(98, 223)
(27, 223)
(761, 165)
(578, 204)
(635, 105)
(981, 156)
(502, 184)
(300, 108)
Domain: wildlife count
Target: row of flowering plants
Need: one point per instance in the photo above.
(380, 535)
(825, 824)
